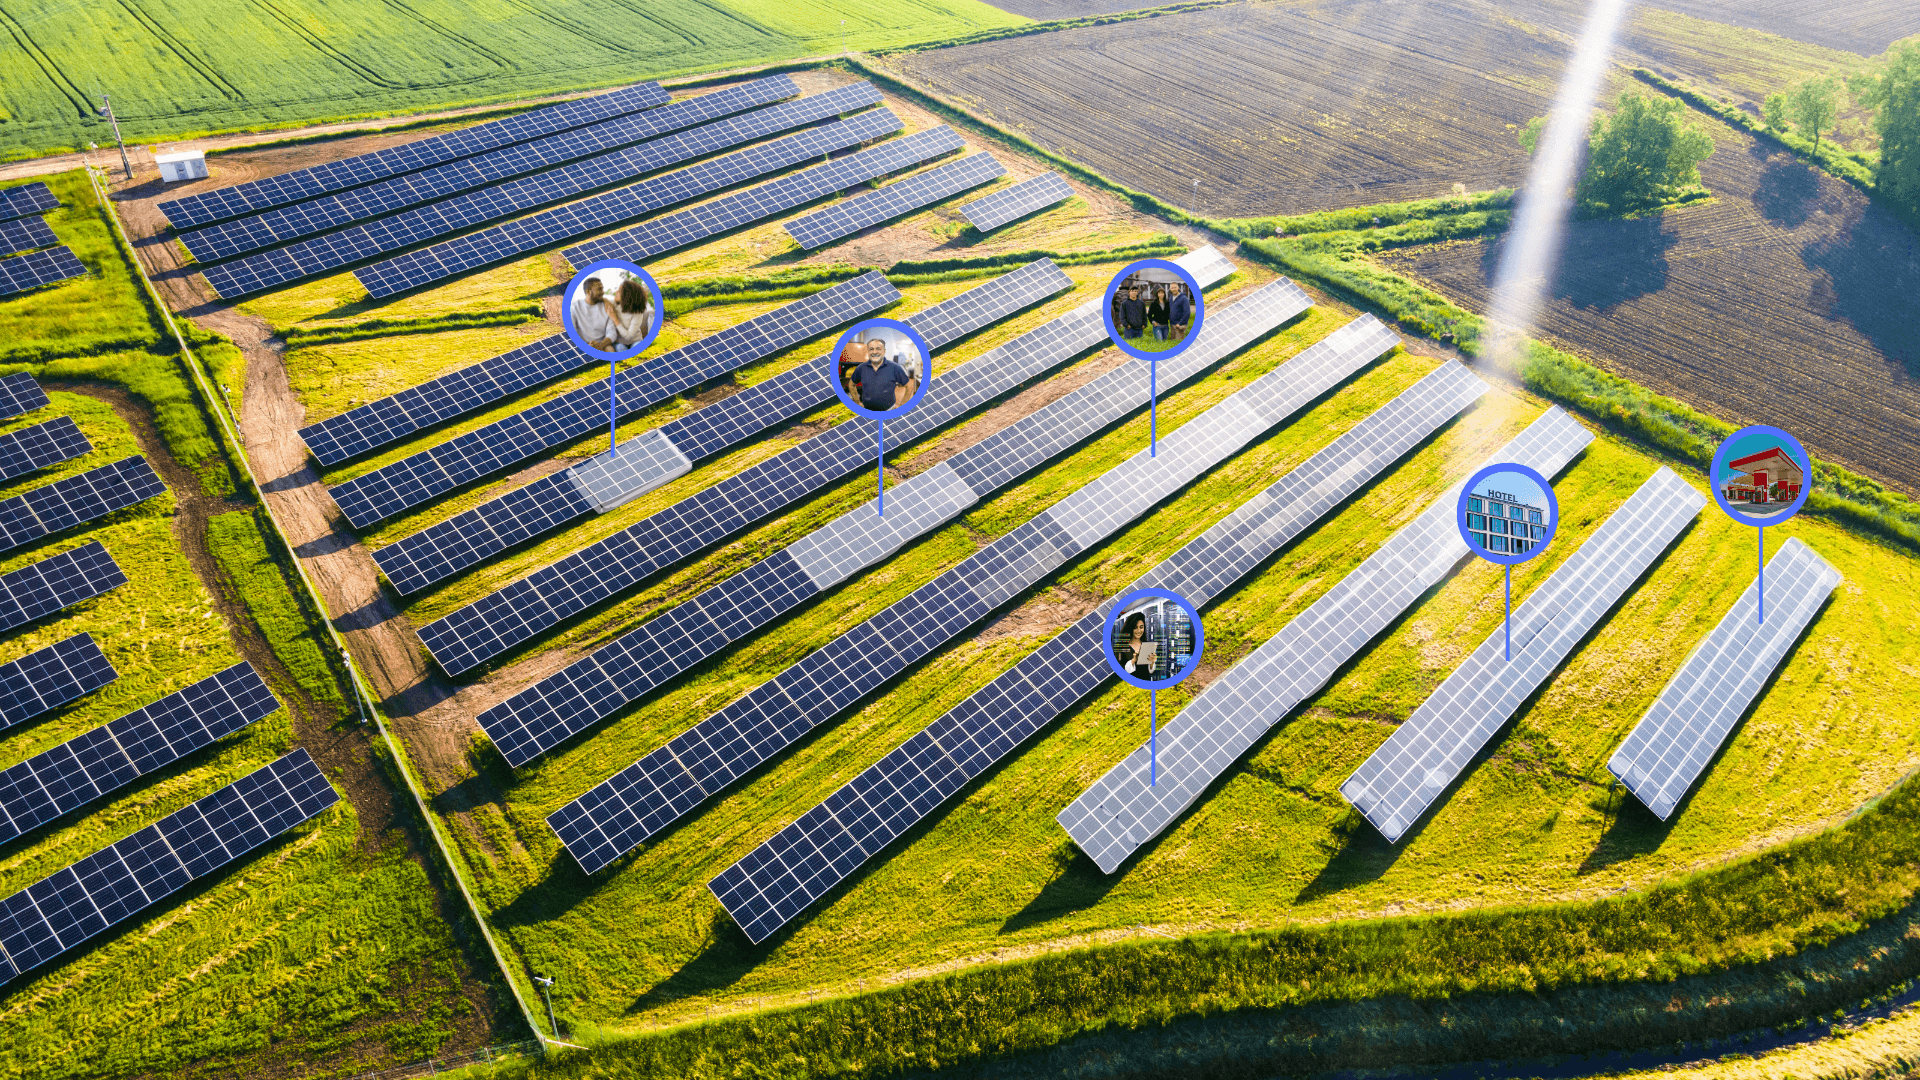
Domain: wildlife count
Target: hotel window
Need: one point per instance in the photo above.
(1498, 525)
(1539, 531)
(1534, 517)
(1477, 522)
(1473, 505)
(1499, 544)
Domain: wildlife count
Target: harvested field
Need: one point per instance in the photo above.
(1786, 301)
(1866, 27)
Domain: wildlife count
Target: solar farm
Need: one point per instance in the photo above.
(396, 685)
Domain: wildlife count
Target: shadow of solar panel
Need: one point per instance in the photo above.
(1017, 201)
(66, 503)
(22, 272)
(426, 223)
(483, 629)
(58, 913)
(417, 479)
(1124, 809)
(1672, 745)
(940, 610)
(40, 589)
(51, 677)
(893, 200)
(316, 180)
(825, 845)
(589, 689)
(273, 227)
(20, 393)
(27, 200)
(39, 446)
(25, 235)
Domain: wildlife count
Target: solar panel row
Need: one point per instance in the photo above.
(552, 710)
(807, 858)
(40, 589)
(58, 913)
(20, 393)
(1672, 745)
(519, 612)
(421, 477)
(424, 223)
(1124, 809)
(41, 445)
(84, 768)
(27, 200)
(911, 193)
(256, 195)
(25, 235)
(66, 503)
(1017, 201)
(619, 814)
(23, 272)
(274, 227)
(46, 679)
(1406, 775)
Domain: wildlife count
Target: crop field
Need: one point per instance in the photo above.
(1783, 302)
(1865, 27)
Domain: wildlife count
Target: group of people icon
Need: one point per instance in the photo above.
(1165, 309)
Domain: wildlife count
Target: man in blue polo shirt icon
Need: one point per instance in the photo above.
(880, 383)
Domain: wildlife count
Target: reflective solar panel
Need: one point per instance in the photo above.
(84, 768)
(1124, 809)
(425, 223)
(27, 200)
(25, 235)
(904, 195)
(420, 154)
(58, 913)
(557, 421)
(1017, 201)
(51, 677)
(1400, 780)
(807, 858)
(40, 589)
(279, 226)
(540, 717)
(494, 623)
(911, 628)
(1672, 745)
(66, 503)
(19, 273)
(39, 446)
(20, 393)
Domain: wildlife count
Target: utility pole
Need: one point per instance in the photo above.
(546, 991)
(106, 110)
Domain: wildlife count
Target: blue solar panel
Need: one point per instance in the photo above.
(40, 589)
(48, 678)
(57, 914)
(275, 227)
(66, 503)
(22, 272)
(26, 200)
(41, 445)
(900, 197)
(19, 393)
(317, 180)
(1017, 201)
(25, 235)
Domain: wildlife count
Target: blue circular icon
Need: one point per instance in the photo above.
(893, 335)
(1761, 476)
(1507, 513)
(612, 275)
(1159, 268)
(1166, 621)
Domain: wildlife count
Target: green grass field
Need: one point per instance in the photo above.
(177, 69)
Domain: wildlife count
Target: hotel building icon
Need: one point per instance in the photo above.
(1504, 525)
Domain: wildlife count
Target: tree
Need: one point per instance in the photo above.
(1893, 93)
(1774, 113)
(1814, 105)
(1530, 135)
(1642, 155)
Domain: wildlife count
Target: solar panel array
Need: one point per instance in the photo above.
(622, 812)
(58, 913)
(274, 227)
(899, 197)
(27, 200)
(65, 671)
(1124, 809)
(421, 477)
(807, 858)
(40, 589)
(84, 768)
(25, 235)
(256, 195)
(1017, 201)
(66, 503)
(22, 272)
(20, 393)
(1401, 779)
(41, 445)
(423, 223)
(540, 717)
(1672, 745)
(494, 623)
